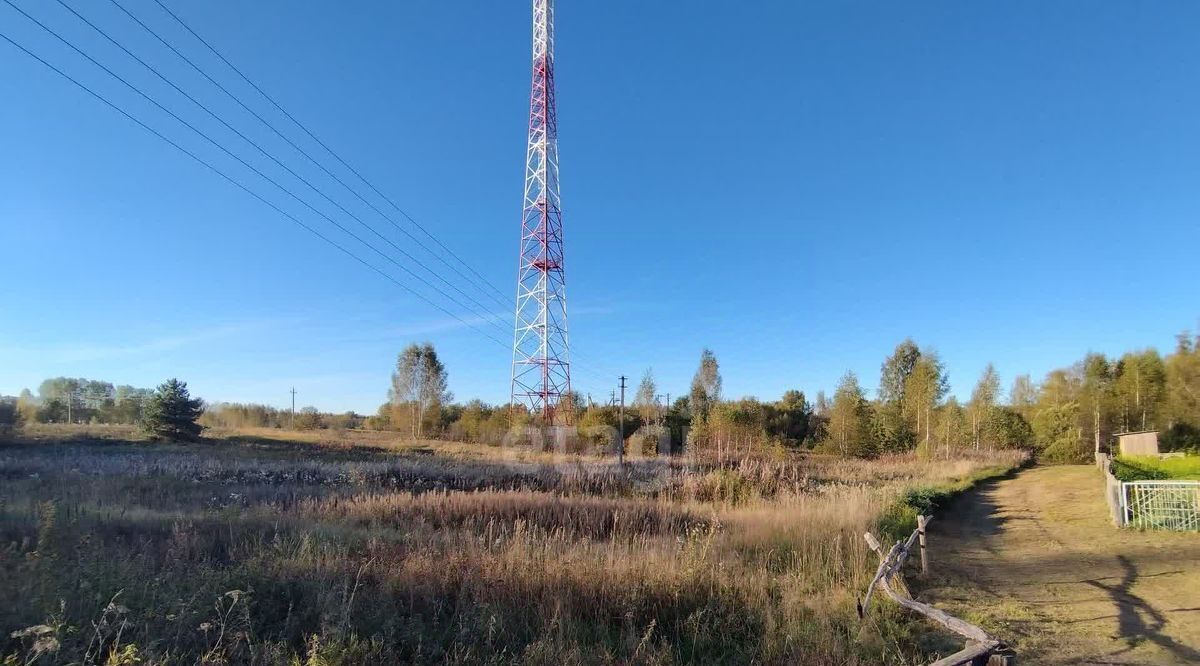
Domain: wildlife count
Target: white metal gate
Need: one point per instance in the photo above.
(1164, 505)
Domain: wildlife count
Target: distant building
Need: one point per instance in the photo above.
(1144, 443)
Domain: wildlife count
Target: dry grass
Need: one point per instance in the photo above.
(358, 548)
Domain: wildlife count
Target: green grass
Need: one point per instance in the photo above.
(900, 519)
(1149, 468)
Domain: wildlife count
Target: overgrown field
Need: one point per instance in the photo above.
(256, 550)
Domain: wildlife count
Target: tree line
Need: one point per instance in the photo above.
(1073, 411)
(166, 412)
(79, 400)
(1062, 418)
(91, 401)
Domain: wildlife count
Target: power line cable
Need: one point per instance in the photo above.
(304, 129)
(503, 300)
(303, 152)
(236, 157)
(242, 186)
(485, 310)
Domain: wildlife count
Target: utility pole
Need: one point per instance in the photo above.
(621, 425)
(292, 422)
(664, 408)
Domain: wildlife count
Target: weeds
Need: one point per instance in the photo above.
(302, 554)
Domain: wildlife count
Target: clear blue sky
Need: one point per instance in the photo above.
(798, 186)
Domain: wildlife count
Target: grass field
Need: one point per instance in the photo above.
(357, 548)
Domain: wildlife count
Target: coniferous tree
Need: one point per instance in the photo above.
(171, 413)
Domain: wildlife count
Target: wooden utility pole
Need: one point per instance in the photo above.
(621, 425)
(292, 421)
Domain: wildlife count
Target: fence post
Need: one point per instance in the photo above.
(1124, 504)
(922, 521)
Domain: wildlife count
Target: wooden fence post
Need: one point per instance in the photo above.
(922, 521)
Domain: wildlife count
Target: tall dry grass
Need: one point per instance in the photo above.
(266, 552)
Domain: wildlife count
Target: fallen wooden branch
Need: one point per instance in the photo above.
(968, 654)
(979, 643)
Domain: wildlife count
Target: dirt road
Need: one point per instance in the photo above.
(1035, 560)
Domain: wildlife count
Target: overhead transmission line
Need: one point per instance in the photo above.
(485, 310)
(243, 162)
(238, 183)
(481, 280)
(265, 177)
(494, 293)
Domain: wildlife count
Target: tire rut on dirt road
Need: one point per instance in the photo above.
(1034, 560)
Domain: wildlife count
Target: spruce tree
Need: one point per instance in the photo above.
(171, 413)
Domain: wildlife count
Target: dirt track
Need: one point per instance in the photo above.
(1035, 560)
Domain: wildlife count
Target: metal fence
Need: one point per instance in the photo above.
(1163, 505)
(1160, 505)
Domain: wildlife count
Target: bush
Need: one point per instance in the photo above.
(1004, 428)
(10, 416)
(1066, 450)
(1151, 468)
(309, 419)
(1125, 469)
(724, 485)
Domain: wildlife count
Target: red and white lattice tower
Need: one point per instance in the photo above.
(541, 371)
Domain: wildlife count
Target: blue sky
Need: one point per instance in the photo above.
(798, 186)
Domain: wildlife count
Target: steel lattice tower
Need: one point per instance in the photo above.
(541, 370)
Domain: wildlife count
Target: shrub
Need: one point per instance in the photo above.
(1065, 450)
(1126, 469)
(10, 416)
(309, 419)
(1151, 468)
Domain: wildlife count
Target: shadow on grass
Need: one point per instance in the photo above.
(1137, 620)
(972, 514)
